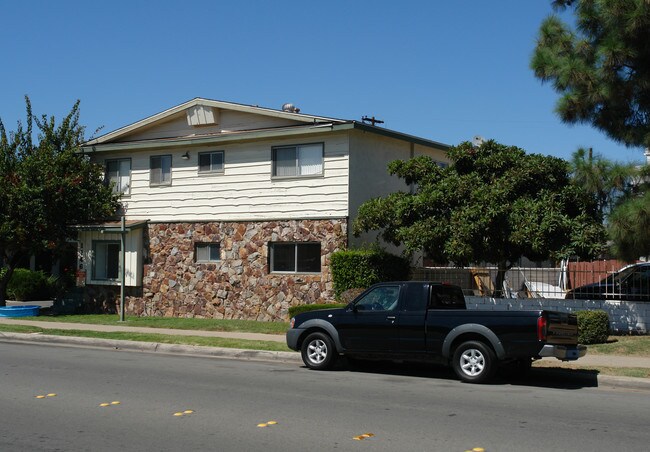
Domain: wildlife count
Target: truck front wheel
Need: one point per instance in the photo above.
(474, 362)
(318, 351)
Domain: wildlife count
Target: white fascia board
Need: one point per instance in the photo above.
(207, 140)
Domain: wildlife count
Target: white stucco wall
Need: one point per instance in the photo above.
(625, 317)
(370, 155)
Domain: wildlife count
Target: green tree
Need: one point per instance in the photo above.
(45, 187)
(609, 182)
(495, 204)
(628, 224)
(602, 68)
(623, 197)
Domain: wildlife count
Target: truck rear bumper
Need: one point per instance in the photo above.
(563, 352)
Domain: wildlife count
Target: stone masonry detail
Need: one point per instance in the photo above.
(239, 286)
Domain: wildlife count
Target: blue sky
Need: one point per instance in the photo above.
(441, 70)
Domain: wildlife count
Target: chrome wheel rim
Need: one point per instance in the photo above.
(317, 351)
(472, 362)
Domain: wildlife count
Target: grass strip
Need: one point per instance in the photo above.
(623, 345)
(229, 325)
(159, 338)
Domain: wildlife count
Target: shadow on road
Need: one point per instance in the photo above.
(555, 378)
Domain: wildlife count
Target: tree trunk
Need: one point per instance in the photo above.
(3, 288)
(502, 268)
(10, 265)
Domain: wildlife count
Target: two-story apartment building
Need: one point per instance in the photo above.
(233, 211)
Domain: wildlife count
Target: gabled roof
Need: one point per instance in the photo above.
(300, 117)
(300, 124)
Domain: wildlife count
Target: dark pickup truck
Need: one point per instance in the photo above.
(425, 321)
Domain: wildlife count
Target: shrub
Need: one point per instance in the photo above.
(593, 327)
(295, 310)
(353, 269)
(26, 285)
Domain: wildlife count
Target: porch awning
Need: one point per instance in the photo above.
(112, 226)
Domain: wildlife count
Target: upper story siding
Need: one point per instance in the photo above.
(245, 190)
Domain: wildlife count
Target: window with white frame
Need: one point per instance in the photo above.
(207, 252)
(106, 260)
(295, 257)
(161, 170)
(211, 162)
(118, 173)
(298, 160)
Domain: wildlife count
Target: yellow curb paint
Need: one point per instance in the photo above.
(478, 449)
(115, 403)
(40, 396)
(188, 412)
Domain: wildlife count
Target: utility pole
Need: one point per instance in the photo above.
(372, 120)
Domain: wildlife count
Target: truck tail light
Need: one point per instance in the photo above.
(541, 327)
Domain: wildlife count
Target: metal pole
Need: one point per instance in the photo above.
(122, 266)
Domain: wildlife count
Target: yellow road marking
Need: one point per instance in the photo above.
(363, 436)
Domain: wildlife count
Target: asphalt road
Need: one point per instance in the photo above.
(252, 406)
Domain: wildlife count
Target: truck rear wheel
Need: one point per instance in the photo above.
(318, 351)
(474, 362)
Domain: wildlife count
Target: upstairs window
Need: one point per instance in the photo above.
(211, 162)
(295, 257)
(299, 160)
(161, 170)
(118, 173)
(207, 252)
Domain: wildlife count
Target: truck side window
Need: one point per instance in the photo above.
(382, 298)
(447, 297)
(417, 296)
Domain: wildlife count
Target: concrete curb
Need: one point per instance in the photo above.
(642, 384)
(155, 347)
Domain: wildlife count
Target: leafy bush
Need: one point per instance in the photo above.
(353, 269)
(593, 327)
(295, 310)
(26, 285)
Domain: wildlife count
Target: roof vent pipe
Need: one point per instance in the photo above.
(290, 108)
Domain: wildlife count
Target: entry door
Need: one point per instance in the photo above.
(372, 324)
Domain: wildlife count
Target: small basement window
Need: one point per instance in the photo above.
(207, 252)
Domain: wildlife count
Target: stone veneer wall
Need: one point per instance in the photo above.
(240, 285)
